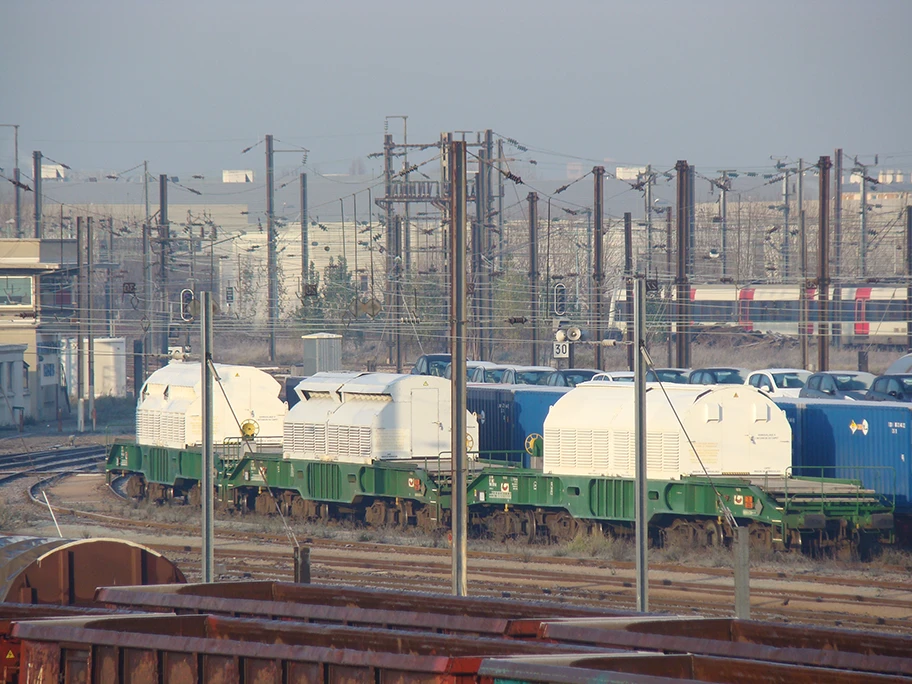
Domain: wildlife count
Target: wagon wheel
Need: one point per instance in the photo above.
(680, 532)
(712, 533)
(405, 512)
(562, 526)
(500, 525)
(265, 504)
(426, 519)
(377, 514)
(761, 536)
(135, 487)
(512, 525)
(531, 526)
(301, 508)
(845, 550)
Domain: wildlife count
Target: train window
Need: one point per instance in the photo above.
(880, 310)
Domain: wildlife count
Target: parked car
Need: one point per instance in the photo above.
(614, 376)
(532, 375)
(851, 385)
(717, 376)
(474, 370)
(503, 375)
(431, 364)
(570, 377)
(678, 376)
(902, 365)
(891, 388)
(779, 382)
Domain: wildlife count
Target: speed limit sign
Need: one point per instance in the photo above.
(561, 350)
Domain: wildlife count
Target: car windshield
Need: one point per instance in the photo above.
(532, 377)
(906, 385)
(437, 368)
(851, 382)
(728, 377)
(576, 377)
(494, 374)
(667, 376)
(790, 380)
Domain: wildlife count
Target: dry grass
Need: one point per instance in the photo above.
(14, 518)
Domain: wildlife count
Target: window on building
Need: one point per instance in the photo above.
(10, 368)
(15, 291)
(25, 385)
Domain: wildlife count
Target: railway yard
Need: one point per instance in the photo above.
(583, 575)
(486, 345)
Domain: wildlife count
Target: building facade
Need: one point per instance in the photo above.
(37, 308)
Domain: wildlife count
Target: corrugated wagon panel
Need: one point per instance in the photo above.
(180, 668)
(324, 481)
(43, 663)
(612, 498)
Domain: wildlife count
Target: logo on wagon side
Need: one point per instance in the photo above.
(863, 426)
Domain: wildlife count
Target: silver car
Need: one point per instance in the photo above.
(851, 385)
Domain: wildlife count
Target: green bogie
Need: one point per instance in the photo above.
(515, 503)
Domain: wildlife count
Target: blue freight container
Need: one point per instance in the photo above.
(508, 415)
(865, 440)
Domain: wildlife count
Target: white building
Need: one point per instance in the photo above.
(14, 385)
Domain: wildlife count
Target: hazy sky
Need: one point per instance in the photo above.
(187, 85)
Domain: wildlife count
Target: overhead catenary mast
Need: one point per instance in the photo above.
(271, 265)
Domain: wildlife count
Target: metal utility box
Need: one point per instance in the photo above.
(110, 369)
(322, 352)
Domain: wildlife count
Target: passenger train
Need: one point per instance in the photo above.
(868, 315)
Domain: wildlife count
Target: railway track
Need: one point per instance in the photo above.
(779, 595)
(57, 462)
(779, 604)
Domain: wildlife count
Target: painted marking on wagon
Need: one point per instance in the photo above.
(863, 426)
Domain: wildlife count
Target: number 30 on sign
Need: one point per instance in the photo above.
(561, 350)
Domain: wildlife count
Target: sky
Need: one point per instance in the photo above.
(105, 84)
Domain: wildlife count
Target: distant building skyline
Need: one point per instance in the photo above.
(188, 86)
